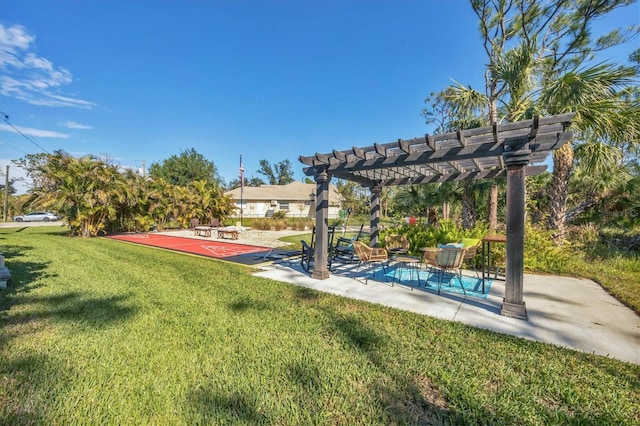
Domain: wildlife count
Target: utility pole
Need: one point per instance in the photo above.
(6, 193)
(241, 188)
(143, 169)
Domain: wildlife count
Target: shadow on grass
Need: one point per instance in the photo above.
(57, 232)
(28, 382)
(35, 310)
(303, 293)
(21, 229)
(23, 274)
(69, 307)
(243, 304)
(215, 407)
(399, 392)
(73, 307)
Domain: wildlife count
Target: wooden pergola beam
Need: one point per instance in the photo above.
(492, 134)
(544, 143)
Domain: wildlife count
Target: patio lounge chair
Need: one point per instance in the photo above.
(446, 260)
(369, 255)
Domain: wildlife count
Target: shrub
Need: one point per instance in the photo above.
(422, 235)
(267, 224)
(302, 224)
(542, 254)
(279, 224)
(280, 214)
(262, 224)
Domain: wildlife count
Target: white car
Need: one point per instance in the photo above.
(37, 217)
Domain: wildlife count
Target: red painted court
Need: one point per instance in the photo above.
(239, 253)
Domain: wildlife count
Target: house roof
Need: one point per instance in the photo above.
(295, 191)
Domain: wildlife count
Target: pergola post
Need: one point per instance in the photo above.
(374, 215)
(320, 268)
(513, 304)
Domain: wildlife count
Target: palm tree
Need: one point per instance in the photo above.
(210, 201)
(596, 95)
(536, 75)
(599, 95)
(84, 190)
(598, 180)
(134, 208)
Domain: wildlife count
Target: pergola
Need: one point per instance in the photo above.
(511, 150)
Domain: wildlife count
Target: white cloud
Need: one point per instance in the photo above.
(29, 77)
(13, 39)
(74, 125)
(33, 132)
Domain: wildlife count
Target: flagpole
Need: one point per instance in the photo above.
(241, 188)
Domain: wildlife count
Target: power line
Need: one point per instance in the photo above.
(12, 146)
(5, 117)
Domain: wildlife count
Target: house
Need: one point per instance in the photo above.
(297, 198)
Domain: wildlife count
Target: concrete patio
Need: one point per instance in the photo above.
(567, 312)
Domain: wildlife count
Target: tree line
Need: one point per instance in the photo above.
(542, 59)
(95, 196)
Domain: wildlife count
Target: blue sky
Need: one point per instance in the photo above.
(138, 81)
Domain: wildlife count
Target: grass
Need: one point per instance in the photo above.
(95, 331)
(618, 274)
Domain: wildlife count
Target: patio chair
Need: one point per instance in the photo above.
(308, 250)
(396, 244)
(472, 245)
(193, 223)
(343, 250)
(370, 256)
(446, 260)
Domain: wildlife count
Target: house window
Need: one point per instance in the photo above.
(284, 205)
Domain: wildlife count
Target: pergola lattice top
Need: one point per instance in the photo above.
(479, 153)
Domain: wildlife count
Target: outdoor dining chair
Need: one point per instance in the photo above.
(472, 245)
(369, 256)
(446, 260)
(396, 244)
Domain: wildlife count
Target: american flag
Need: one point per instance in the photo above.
(241, 173)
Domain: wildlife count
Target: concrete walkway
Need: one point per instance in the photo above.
(568, 312)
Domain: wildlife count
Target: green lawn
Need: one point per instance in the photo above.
(95, 331)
